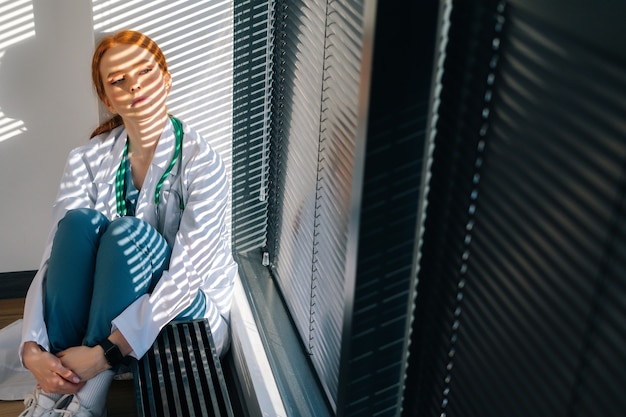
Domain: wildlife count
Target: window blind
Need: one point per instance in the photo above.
(521, 297)
(312, 158)
(252, 89)
(346, 170)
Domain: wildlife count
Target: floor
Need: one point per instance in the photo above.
(121, 401)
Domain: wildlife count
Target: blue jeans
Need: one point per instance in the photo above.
(97, 268)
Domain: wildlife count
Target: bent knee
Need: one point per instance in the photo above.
(82, 219)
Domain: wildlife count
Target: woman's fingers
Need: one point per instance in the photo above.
(65, 373)
(50, 373)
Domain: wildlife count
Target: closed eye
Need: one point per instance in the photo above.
(117, 80)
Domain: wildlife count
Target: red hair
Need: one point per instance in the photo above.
(124, 37)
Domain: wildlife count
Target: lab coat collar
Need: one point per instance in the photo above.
(111, 161)
(164, 151)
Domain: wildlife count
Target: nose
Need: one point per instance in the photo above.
(135, 87)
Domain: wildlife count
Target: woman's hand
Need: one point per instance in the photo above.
(85, 361)
(49, 371)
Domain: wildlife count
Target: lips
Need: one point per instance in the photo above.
(138, 100)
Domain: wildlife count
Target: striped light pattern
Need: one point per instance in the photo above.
(17, 24)
(197, 40)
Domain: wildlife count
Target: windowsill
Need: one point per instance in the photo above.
(275, 374)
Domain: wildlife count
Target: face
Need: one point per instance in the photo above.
(134, 85)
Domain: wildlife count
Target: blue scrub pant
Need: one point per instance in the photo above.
(96, 269)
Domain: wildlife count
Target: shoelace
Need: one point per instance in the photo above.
(29, 403)
(72, 403)
(65, 413)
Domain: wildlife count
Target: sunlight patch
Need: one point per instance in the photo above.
(17, 24)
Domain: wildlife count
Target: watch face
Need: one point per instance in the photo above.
(112, 353)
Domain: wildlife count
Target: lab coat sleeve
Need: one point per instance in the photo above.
(74, 192)
(200, 259)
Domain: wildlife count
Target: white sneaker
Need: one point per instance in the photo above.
(39, 404)
(74, 409)
(71, 409)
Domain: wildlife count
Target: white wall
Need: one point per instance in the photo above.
(47, 107)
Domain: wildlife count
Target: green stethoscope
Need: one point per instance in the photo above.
(120, 176)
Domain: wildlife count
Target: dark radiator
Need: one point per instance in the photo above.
(181, 374)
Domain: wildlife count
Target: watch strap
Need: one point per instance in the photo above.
(112, 352)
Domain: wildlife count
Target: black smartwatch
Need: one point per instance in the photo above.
(112, 353)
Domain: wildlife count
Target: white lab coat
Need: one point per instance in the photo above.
(201, 258)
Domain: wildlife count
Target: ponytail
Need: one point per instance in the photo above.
(110, 124)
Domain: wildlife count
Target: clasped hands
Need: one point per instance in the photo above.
(66, 372)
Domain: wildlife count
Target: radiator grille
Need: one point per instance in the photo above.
(181, 374)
